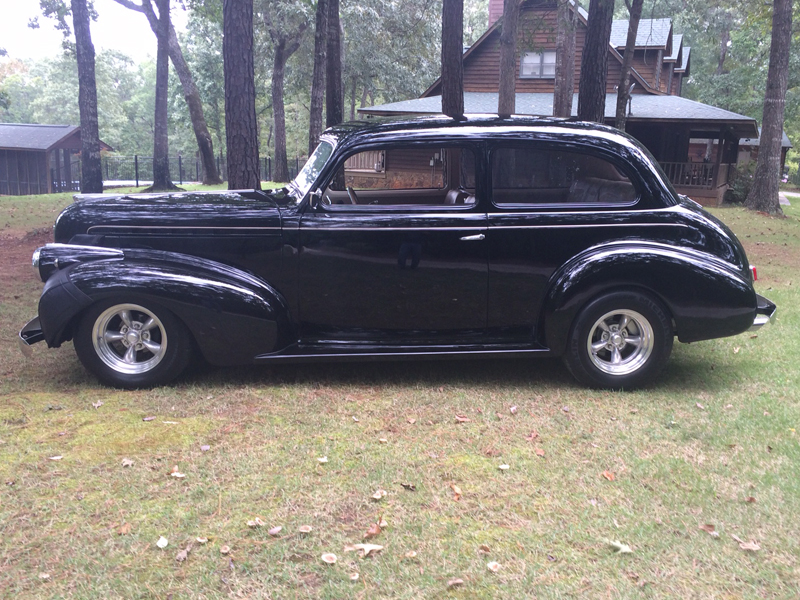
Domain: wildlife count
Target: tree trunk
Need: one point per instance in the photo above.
(161, 178)
(763, 194)
(507, 97)
(281, 168)
(241, 127)
(91, 171)
(318, 77)
(191, 95)
(594, 70)
(334, 94)
(565, 61)
(452, 58)
(635, 14)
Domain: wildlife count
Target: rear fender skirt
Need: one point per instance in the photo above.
(232, 318)
(706, 297)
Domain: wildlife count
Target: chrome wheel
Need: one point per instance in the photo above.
(620, 342)
(129, 339)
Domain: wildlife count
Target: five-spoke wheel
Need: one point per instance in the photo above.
(619, 340)
(132, 345)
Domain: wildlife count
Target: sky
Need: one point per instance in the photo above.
(117, 28)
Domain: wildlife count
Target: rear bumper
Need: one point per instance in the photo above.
(29, 335)
(764, 312)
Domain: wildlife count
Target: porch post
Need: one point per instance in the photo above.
(718, 160)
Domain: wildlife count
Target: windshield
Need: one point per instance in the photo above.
(309, 173)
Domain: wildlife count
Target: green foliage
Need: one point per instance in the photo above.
(739, 183)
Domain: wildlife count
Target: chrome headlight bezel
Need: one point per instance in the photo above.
(35, 261)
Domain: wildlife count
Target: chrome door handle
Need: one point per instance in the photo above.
(473, 238)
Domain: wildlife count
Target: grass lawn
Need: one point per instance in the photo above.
(714, 444)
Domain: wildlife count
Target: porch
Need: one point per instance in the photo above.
(703, 182)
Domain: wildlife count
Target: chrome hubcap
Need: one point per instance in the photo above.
(620, 342)
(129, 338)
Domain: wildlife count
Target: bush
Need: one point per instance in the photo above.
(739, 183)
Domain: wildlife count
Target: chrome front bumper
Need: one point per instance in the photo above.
(764, 312)
(29, 335)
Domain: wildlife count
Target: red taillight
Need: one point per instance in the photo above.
(755, 273)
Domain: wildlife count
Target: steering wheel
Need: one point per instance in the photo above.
(352, 194)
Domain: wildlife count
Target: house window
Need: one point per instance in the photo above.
(539, 65)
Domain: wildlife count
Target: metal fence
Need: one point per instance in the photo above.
(138, 170)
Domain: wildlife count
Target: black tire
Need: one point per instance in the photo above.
(132, 344)
(602, 354)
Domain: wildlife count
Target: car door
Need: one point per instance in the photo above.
(394, 251)
(549, 203)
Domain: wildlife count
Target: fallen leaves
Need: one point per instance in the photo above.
(372, 531)
(493, 566)
(539, 452)
(366, 549)
(710, 529)
(751, 546)
(124, 529)
(608, 475)
(532, 436)
(184, 554)
(456, 492)
(463, 419)
(620, 548)
(455, 582)
(409, 486)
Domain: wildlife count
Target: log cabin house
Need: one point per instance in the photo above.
(659, 117)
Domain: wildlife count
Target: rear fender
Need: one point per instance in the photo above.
(232, 315)
(706, 297)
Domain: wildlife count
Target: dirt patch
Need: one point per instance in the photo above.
(16, 249)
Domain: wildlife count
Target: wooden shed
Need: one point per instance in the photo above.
(40, 159)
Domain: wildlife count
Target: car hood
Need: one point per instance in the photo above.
(98, 214)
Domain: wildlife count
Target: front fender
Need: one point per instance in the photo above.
(232, 315)
(705, 296)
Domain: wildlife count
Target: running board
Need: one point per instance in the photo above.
(299, 354)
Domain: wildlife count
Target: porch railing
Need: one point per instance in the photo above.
(696, 175)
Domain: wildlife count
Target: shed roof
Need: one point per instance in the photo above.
(652, 33)
(644, 107)
(26, 136)
(785, 143)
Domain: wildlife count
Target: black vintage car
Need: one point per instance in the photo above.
(421, 238)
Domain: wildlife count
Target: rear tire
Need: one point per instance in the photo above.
(621, 340)
(132, 345)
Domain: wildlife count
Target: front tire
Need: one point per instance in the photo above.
(131, 345)
(621, 340)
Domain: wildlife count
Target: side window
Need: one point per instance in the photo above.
(421, 175)
(535, 176)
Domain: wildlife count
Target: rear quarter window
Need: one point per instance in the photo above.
(524, 176)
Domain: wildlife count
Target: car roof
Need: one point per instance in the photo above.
(470, 126)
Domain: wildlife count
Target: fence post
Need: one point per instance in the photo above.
(180, 170)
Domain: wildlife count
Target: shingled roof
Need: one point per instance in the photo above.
(674, 109)
(652, 33)
(25, 136)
